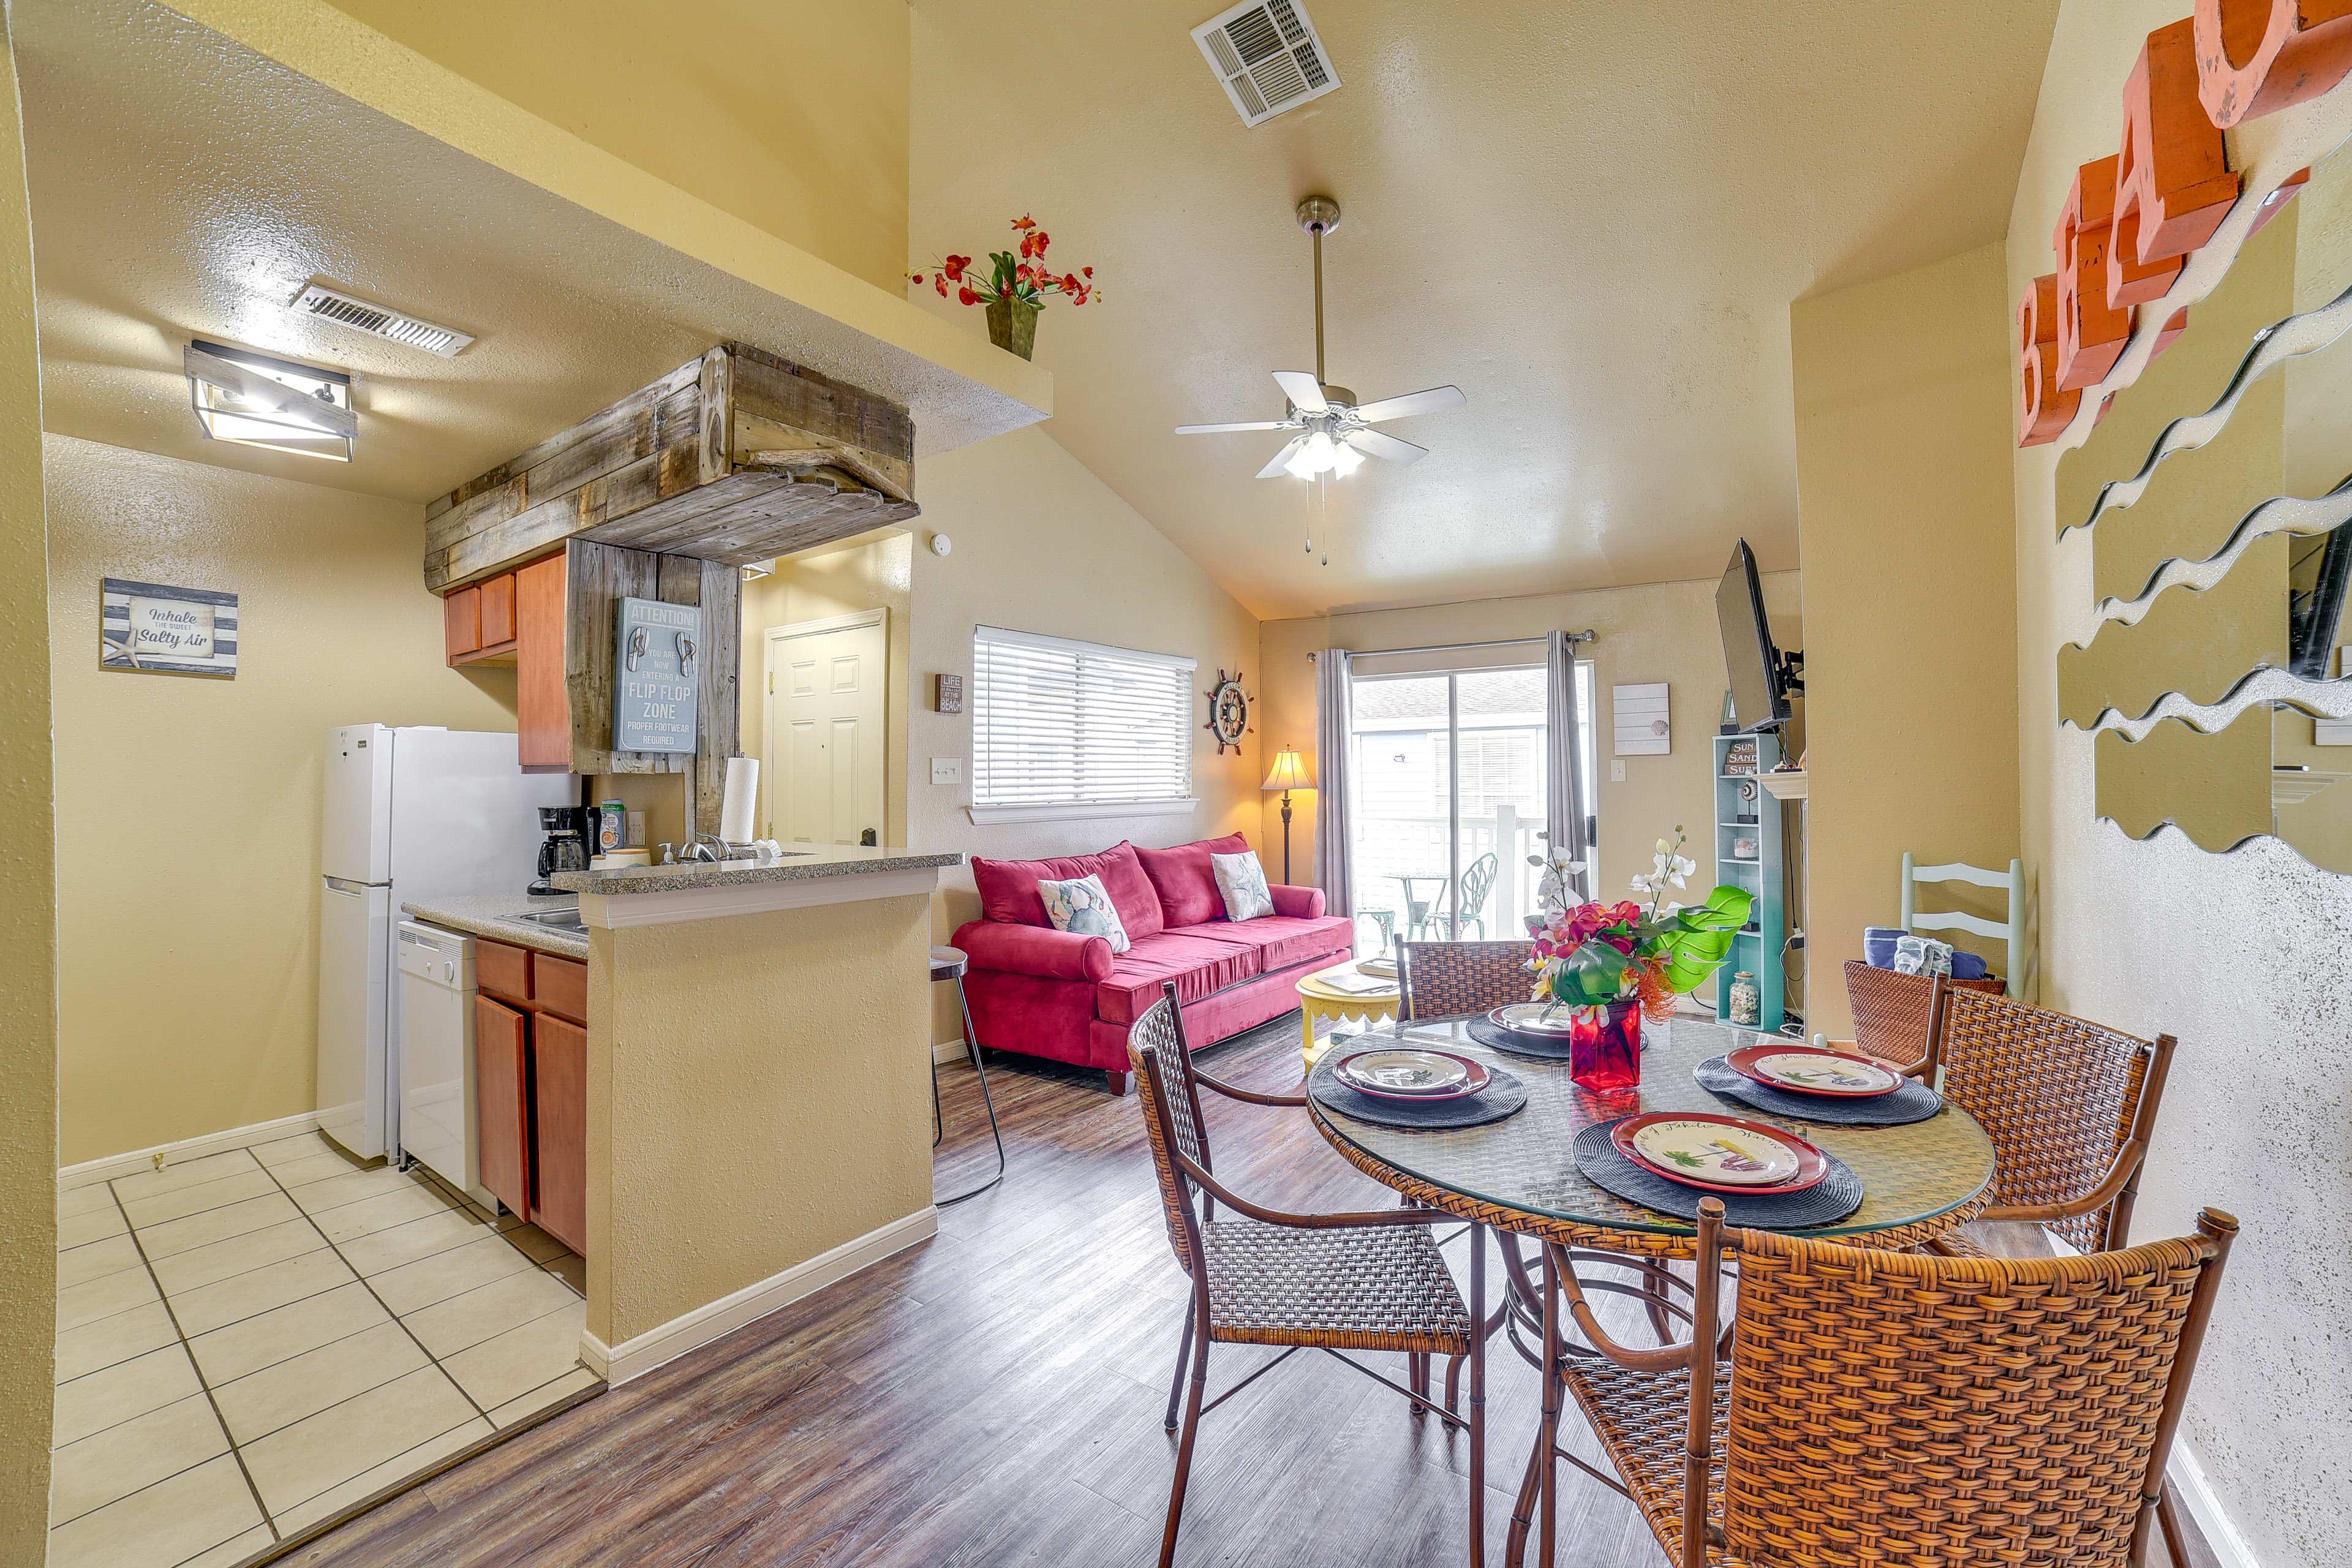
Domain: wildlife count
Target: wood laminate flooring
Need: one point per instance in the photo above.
(994, 1398)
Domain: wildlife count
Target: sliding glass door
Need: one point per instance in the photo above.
(1450, 799)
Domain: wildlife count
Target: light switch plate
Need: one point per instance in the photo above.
(1616, 770)
(637, 829)
(947, 770)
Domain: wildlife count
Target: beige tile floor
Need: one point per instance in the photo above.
(252, 1341)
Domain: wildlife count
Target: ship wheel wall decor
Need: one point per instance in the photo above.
(1229, 711)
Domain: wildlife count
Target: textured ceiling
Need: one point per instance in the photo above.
(185, 186)
(1591, 217)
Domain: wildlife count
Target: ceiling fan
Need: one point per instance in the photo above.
(1334, 429)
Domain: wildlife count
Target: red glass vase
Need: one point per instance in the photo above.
(1604, 1047)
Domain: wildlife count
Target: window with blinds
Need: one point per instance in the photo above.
(1065, 728)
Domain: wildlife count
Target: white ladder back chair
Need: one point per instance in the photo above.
(2010, 931)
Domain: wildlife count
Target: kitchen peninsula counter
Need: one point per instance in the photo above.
(493, 916)
(759, 1087)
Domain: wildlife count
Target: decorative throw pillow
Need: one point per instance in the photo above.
(1922, 955)
(1081, 905)
(1242, 881)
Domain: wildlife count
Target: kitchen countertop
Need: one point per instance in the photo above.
(808, 864)
(492, 915)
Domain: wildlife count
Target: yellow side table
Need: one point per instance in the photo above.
(1320, 1000)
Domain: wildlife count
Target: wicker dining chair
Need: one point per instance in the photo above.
(1888, 1408)
(1333, 1282)
(1440, 978)
(1892, 1012)
(2070, 1107)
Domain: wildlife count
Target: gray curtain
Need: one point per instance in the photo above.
(1332, 722)
(1564, 780)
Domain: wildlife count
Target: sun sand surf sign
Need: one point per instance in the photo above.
(149, 629)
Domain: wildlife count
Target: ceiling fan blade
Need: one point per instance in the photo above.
(1252, 424)
(1289, 449)
(1389, 447)
(1306, 394)
(1436, 400)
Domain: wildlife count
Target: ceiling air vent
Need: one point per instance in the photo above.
(378, 321)
(1267, 57)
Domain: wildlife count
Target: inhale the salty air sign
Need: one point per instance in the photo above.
(656, 671)
(153, 629)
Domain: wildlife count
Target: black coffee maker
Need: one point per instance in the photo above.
(566, 848)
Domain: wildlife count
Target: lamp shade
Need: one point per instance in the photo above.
(1290, 771)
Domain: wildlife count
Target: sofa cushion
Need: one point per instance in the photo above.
(1008, 888)
(1281, 941)
(1198, 967)
(1186, 881)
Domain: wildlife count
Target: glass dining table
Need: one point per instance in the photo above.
(1519, 1178)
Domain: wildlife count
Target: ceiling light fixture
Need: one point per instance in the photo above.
(256, 400)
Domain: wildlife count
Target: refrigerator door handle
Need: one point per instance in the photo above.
(349, 889)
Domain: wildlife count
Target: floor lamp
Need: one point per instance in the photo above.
(1290, 772)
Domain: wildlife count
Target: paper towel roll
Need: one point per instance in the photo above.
(741, 798)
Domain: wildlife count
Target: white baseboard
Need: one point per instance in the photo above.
(2185, 1474)
(947, 1051)
(633, 1358)
(139, 1159)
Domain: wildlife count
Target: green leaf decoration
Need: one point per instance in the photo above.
(1693, 942)
(1591, 977)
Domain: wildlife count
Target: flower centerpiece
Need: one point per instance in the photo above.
(1015, 288)
(1613, 962)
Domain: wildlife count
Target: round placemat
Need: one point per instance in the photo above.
(1833, 1198)
(1505, 1095)
(1914, 1101)
(1494, 1036)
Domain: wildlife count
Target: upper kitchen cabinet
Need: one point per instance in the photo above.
(733, 458)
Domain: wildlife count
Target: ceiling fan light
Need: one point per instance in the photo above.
(1346, 460)
(1301, 465)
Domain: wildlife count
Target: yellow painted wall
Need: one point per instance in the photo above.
(791, 116)
(1903, 522)
(1660, 631)
(1042, 546)
(189, 807)
(724, 1056)
(876, 573)
(2233, 953)
(29, 887)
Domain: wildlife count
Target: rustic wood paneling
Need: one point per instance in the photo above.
(601, 576)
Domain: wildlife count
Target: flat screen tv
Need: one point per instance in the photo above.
(1760, 680)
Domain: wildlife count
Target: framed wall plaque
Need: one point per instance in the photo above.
(656, 675)
(151, 628)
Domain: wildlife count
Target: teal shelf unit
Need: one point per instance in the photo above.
(1765, 874)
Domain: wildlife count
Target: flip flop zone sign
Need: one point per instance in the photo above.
(2131, 220)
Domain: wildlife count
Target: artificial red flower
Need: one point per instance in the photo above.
(965, 297)
(914, 277)
(956, 264)
(1024, 222)
(942, 282)
(1028, 246)
(1044, 239)
(1089, 272)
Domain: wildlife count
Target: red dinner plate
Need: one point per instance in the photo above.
(1883, 1079)
(1474, 1075)
(1812, 1165)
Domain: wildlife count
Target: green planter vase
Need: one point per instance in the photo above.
(1013, 325)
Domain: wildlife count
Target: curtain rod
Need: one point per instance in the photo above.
(1573, 638)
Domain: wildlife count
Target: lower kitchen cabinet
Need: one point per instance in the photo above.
(502, 1101)
(530, 1085)
(559, 1098)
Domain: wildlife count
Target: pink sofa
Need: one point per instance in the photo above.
(1060, 994)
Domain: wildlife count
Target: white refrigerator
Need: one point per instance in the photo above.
(410, 813)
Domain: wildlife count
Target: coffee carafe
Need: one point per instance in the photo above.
(566, 848)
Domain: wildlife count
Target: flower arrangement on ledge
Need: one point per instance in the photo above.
(1594, 954)
(1015, 288)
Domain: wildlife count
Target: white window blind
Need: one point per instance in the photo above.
(1065, 728)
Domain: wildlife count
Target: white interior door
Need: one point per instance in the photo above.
(828, 712)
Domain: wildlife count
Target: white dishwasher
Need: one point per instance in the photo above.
(437, 1125)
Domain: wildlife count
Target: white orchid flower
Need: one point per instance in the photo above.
(1680, 869)
(1646, 885)
(1664, 848)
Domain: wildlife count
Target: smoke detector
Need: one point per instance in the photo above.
(1267, 57)
(379, 321)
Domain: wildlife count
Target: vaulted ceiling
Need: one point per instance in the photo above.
(1591, 217)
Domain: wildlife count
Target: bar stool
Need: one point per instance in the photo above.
(950, 963)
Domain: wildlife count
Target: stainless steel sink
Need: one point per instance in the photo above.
(562, 920)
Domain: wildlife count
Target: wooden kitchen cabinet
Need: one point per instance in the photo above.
(482, 622)
(542, 695)
(498, 614)
(461, 622)
(530, 1084)
(502, 1101)
(560, 1120)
